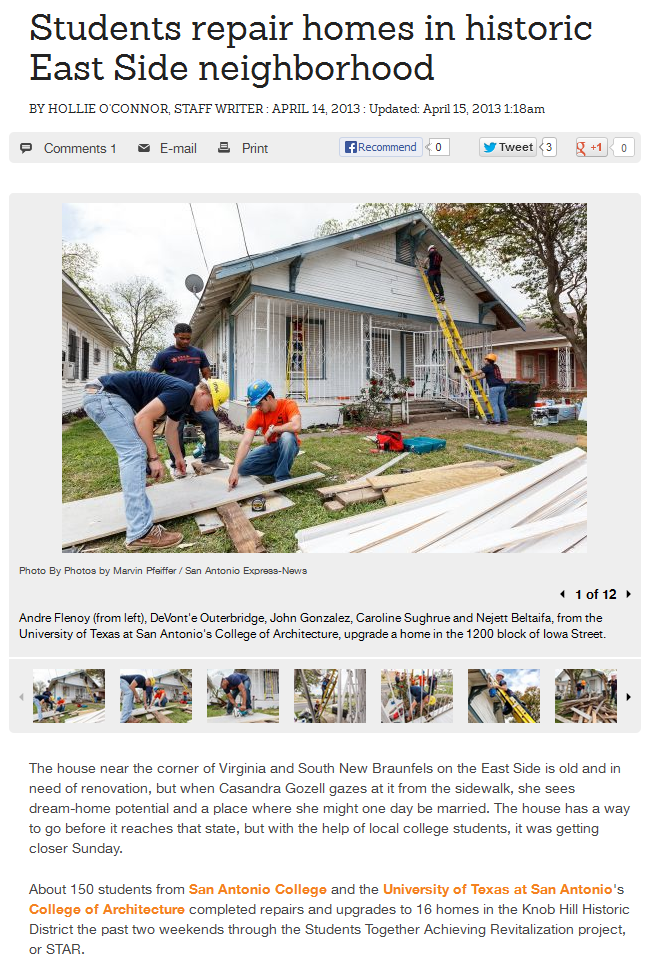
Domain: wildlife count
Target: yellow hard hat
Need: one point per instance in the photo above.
(219, 391)
(152, 681)
(492, 357)
(432, 700)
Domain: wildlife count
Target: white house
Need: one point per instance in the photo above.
(319, 318)
(481, 709)
(264, 690)
(595, 683)
(88, 339)
(76, 685)
(174, 683)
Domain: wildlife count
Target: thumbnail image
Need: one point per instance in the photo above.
(156, 696)
(586, 696)
(68, 696)
(466, 370)
(417, 696)
(330, 696)
(504, 696)
(246, 696)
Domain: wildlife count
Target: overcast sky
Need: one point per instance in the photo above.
(158, 239)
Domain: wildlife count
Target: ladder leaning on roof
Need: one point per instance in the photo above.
(458, 351)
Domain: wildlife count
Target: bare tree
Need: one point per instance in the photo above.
(141, 312)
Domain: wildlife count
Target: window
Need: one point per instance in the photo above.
(527, 366)
(305, 346)
(73, 353)
(86, 349)
(97, 355)
(404, 248)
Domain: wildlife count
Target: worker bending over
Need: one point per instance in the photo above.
(130, 684)
(237, 686)
(126, 406)
(279, 422)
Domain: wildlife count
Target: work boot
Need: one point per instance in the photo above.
(156, 538)
(131, 720)
(216, 463)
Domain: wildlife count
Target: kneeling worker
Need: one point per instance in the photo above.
(279, 421)
(126, 406)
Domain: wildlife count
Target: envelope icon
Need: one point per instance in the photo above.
(144, 147)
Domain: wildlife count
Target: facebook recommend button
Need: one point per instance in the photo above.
(500, 147)
(380, 147)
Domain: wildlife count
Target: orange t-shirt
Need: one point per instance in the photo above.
(285, 410)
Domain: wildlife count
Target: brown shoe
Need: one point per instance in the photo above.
(131, 720)
(156, 538)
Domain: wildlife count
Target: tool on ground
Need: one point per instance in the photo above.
(505, 454)
(423, 445)
(457, 349)
(296, 359)
(259, 503)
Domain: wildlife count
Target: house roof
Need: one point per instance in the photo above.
(72, 673)
(167, 673)
(228, 279)
(73, 297)
(533, 332)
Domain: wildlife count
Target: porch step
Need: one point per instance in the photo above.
(431, 408)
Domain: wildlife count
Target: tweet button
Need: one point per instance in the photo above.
(500, 147)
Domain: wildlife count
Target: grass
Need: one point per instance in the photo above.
(177, 716)
(70, 709)
(89, 467)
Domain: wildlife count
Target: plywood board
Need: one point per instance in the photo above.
(95, 518)
(390, 481)
(357, 496)
(330, 490)
(453, 478)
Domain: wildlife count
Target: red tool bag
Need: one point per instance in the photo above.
(390, 440)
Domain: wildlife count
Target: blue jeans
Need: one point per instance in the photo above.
(128, 701)
(210, 426)
(115, 419)
(234, 693)
(275, 459)
(496, 396)
(38, 709)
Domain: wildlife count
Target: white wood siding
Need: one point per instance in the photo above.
(482, 705)
(73, 391)
(366, 274)
(506, 361)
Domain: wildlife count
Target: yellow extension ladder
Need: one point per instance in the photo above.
(520, 713)
(296, 351)
(329, 691)
(458, 351)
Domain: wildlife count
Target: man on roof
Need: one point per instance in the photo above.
(279, 422)
(190, 364)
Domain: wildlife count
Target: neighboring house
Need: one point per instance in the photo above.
(264, 690)
(75, 686)
(175, 683)
(88, 339)
(481, 709)
(595, 683)
(319, 318)
(540, 355)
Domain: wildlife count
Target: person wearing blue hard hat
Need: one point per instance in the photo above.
(279, 422)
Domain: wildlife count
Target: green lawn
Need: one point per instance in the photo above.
(177, 716)
(215, 710)
(89, 467)
(70, 709)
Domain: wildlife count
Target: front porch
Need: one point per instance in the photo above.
(324, 356)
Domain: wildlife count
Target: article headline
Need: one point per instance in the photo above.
(291, 66)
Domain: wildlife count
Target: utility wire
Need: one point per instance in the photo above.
(245, 242)
(198, 235)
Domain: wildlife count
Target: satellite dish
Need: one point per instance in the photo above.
(195, 284)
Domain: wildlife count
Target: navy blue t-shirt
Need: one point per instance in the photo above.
(235, 680)
(130, 678)
(491, 372)
(139, 388)
(184, 364)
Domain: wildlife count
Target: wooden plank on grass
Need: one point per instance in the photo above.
(96, 518)
(390, 481)
(357, 496)
(329, 491)
(240, 530)
(209, 521)
(452, 478)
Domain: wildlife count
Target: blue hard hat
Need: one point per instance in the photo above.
(257, 391)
